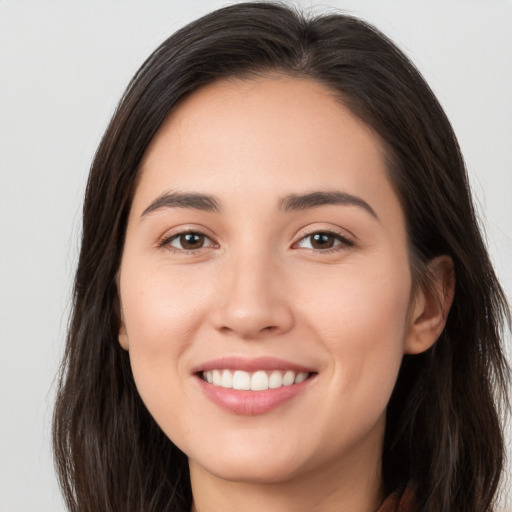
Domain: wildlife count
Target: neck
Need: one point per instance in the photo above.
(351, 485)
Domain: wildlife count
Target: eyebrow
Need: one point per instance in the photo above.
(193, 200)
(321, 198)
(292, 202)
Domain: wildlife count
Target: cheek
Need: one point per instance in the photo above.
(358, 305)
(162, 309)
(362, 323)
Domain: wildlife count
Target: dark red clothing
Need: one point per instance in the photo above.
(399, 501)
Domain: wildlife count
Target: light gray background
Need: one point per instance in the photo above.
(63, 67)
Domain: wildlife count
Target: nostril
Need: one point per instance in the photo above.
(254, 319)
(265, 330)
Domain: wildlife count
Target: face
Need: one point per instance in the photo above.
(266, 249)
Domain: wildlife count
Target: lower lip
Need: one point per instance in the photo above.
(251, 403)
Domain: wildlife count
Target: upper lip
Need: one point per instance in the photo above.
(251, 364)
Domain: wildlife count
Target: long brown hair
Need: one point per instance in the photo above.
(443, 428)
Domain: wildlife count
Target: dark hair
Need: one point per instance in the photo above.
(443, 428)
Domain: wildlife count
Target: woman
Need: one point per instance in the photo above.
(283, 301)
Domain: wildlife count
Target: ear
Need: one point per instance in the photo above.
(122, 335)
(431, 306)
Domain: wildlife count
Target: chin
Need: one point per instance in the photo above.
(251, 465)
(250, 471)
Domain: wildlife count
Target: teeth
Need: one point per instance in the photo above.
(241, 380)
(257, 381)
(216, 377)
(301, 377)
(288, 378)
(275, 380)
(227, 379)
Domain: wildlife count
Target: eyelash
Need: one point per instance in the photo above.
(344, 242)
(166, 242)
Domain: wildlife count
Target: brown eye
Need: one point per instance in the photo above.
(323, 240)
(189, 241)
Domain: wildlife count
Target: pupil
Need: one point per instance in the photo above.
(322, 240)
(192, 241)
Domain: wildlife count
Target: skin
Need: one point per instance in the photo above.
(258, 287)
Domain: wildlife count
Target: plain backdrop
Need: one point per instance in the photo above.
(63, 67)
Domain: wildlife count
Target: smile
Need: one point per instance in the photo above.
(253, 386)
(260, 380)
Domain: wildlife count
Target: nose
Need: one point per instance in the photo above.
(252, 303)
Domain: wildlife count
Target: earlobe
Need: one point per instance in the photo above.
(122, 335)
(431, 306)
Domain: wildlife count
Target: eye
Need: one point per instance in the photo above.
(323, 240)
(189, 241)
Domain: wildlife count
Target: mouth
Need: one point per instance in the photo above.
(259, 380)
(253, 386)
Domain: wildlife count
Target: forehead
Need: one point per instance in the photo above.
(271, 137)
